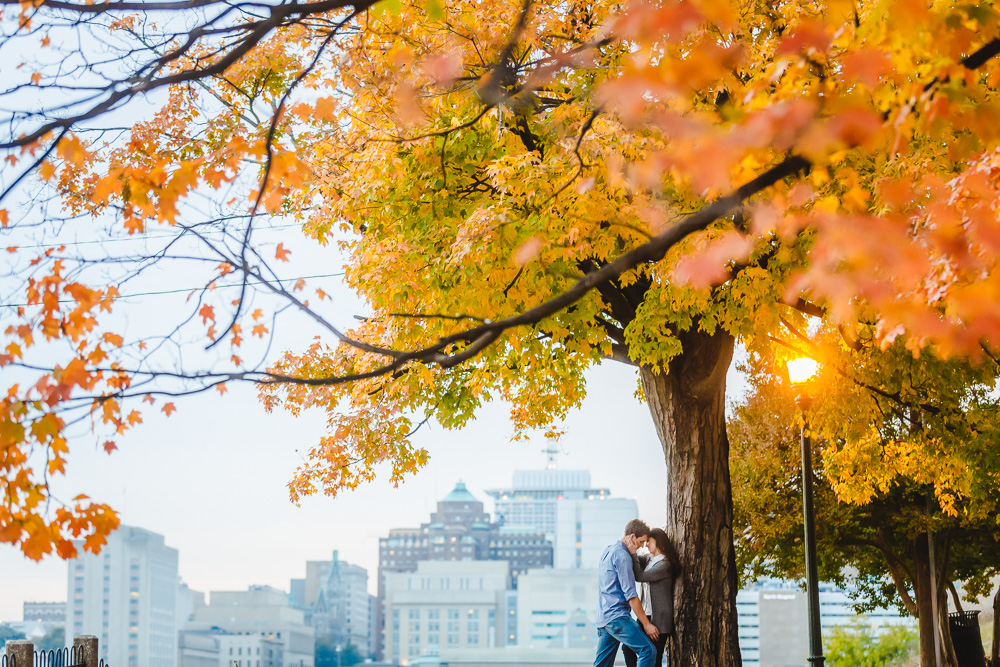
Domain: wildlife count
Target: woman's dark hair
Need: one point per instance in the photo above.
(664, 544)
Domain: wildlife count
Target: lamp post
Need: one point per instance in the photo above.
(800, 371)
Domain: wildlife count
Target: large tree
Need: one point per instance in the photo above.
(520, 192)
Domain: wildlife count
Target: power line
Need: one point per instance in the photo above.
(179, 291)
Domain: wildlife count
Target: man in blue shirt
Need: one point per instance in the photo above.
(617, 597)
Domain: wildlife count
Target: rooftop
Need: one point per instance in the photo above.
(459, 494)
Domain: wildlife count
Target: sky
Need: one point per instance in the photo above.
(211, 479)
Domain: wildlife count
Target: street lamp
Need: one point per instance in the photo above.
(800, 371)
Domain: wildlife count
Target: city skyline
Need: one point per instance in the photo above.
(247, 494)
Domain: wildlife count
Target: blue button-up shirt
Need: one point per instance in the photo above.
(615, 583)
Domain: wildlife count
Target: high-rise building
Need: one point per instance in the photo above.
(336, 595)
(460, 530)
(373, 630)
(127, 596)
(445, 604)
(580, 519)
(261, 621)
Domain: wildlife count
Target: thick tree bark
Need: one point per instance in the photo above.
(688, 407)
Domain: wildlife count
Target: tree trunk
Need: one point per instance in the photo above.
(688, 406)
(995, 647)
(925, 613)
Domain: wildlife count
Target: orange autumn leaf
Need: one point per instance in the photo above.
(282, 253)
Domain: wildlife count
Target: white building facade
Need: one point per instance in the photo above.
(557, 608)
(127, 595)
(256, 621)
(445, 604)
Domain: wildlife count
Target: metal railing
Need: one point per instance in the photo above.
(83, 653)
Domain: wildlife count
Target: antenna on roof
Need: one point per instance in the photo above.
(551, 451)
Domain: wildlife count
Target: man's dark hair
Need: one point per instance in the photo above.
(636, 527)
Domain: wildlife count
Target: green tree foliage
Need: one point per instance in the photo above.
(326, 653)
(7, 633)
(53, 640)
(858, 646)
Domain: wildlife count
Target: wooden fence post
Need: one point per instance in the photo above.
(21, 652)
(86, 650)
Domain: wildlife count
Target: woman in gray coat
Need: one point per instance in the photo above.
(655, 575)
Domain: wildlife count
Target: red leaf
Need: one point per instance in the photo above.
(109, 446)
(808, 35)
(708, 267)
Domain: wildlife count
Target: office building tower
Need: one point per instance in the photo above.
(460, 530)
(127, 595)
(581, 520)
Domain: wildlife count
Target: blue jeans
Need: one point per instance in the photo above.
(625, 631)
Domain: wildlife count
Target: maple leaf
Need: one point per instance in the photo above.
(527, 251)
(807, 36)
(168, 409)
(281, 253)
(868, 66)
(109, 446)
(46, 170)
(709, 266)
(207, 313)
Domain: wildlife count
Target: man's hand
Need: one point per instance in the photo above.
(651, 631)
(631, 543)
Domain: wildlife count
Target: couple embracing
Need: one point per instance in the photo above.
(631, 583)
